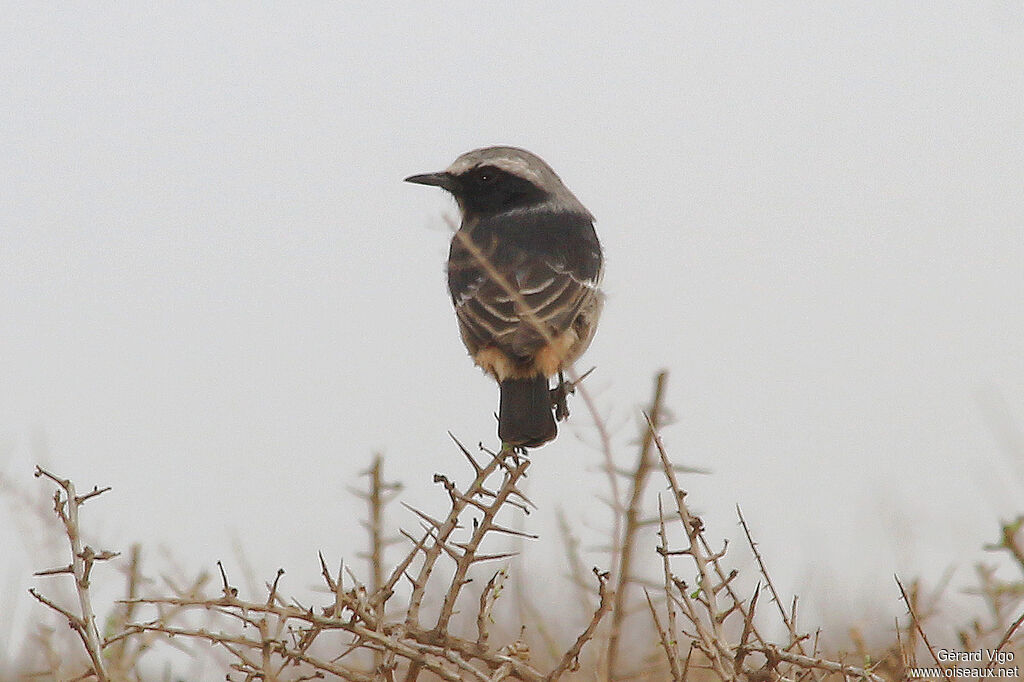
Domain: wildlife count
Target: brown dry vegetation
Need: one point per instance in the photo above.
(443, 610)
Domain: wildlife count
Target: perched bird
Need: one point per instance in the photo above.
(523, 272)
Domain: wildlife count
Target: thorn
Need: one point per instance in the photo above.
(229, 592)
(510, 531)
(56, 571)
(273, 588)
(429, 519)
(418, 544)
(493, 557)
(326, 573)
(476, 467)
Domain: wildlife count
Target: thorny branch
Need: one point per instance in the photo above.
(66, 503)
(261, 652)
(632, 523)
(708, 630)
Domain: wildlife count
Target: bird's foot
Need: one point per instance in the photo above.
(558, 398)
(516, 451)
(561, 391)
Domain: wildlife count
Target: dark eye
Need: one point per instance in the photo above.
(486, 177)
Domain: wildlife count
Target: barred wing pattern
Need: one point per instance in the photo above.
(554, 264)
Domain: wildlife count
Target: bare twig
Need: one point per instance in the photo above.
(667, 642)
(994, 655)
(378, 495)
(439, 536)
(672, 633)
(632, 523)
(795, 638)
(469, 551)
(67, 503)
(713, 641)
(571, 657)
(917, 625)
(807, 662)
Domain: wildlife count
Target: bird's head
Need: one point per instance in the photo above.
(497, 180)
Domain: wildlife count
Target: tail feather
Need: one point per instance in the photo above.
(524, 417)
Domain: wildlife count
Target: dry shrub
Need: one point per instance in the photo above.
(438, 613)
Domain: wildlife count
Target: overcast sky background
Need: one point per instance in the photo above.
(218, 297)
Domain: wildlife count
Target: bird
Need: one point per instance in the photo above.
(524, 273)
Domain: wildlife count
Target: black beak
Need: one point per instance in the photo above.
(442, 179)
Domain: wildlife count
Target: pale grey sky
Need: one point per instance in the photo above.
(219, 298)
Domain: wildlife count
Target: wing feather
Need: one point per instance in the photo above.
(552, 263)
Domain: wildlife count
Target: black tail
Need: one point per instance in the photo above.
(525, 417)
